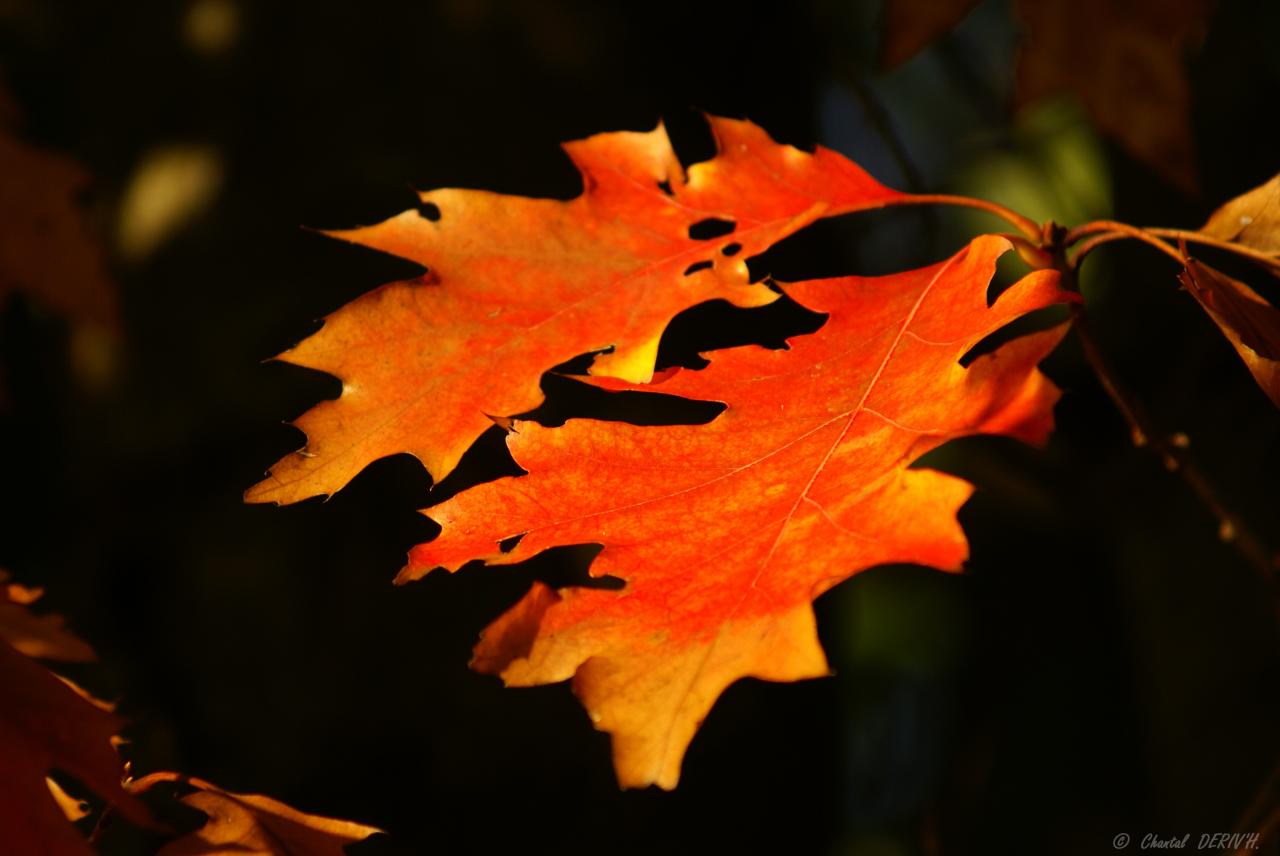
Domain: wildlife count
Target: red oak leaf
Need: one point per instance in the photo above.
(47, 725)
(724, 533)
(516, 286)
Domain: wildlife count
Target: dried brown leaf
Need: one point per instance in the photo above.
(1251, 220)
(1249, 322)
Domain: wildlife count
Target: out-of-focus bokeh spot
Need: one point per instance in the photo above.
(47, 248)
(211, 27)
(1054, 169)
(169, 188)
(95, 356)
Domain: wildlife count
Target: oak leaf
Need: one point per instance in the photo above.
(1251, 219)
(255, 825)
(1249, 322)
(517, 286)
(47, 724)
(725, 532)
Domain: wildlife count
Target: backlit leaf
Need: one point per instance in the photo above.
(1252, 219)
(516, 286)
(724, 533)
(47, 724)
(247, 824)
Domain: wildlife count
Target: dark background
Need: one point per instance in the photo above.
(1106, 666)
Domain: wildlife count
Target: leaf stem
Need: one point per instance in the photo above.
(1118, 230)
(1028, 227)
(1103, 231)
(1088, 245)
(1200, 238)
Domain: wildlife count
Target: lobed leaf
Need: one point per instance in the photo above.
(48, 724)
(724, 533)
(517, 286)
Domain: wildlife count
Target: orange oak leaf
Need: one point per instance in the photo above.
(1125, 62)
(1252, 219)
(516, 286)
(1249, 322)
(724, 533)
(253, 824)
(47, 724)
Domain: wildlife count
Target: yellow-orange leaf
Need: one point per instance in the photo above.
(724, 533)
(516, 286)
(254, 825)
(1249, 322)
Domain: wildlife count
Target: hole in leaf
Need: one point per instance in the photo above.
(488, 459)
(570, 566)
(506, 545)
(719, 324)
(697, 266)
(711, 228)
(1009, 269)
(732, 249)
(429, 211)
(1041, 319)
(665, 187)
(571, 399)
(690, 135)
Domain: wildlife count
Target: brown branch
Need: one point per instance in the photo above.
(1103, 231)
(1173, 454)
(1087, 246)
(1250, 253)
(1120, 229)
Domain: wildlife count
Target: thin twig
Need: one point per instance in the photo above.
(1025, 225)
(1231, 529)
(1116, 227)
(1111, 230)
(1199, 238)
(1087, 246)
